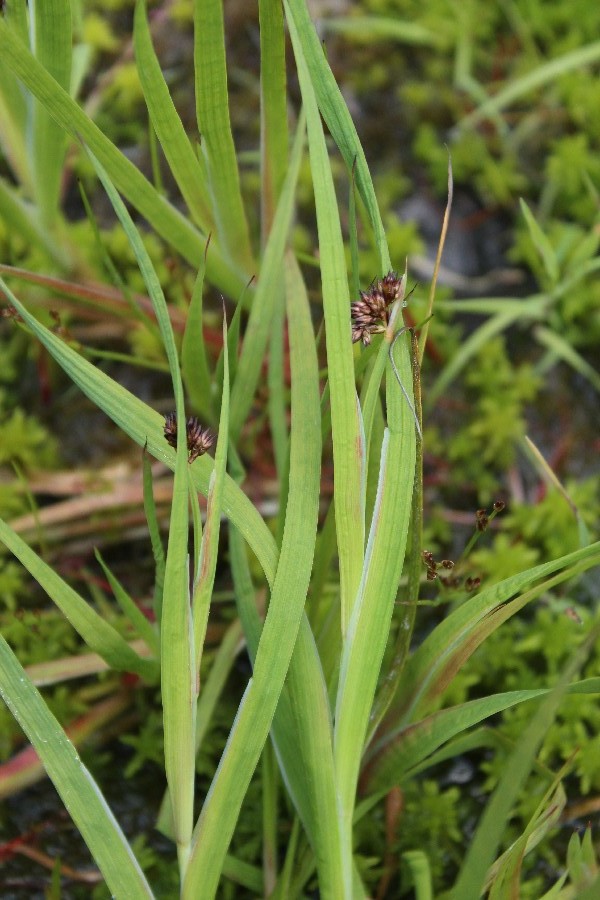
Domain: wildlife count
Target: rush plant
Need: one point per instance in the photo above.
(346, 732)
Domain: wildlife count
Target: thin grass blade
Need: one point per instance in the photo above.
(409, 748)
(371, 616)
(217, 147)
(346, 426)
(130, 608)
(486, 840)
(98, 634)
(78, 791)
(210, 538)
(253, 721)
(51, 38)
(146, 427)
(336, 115)
(273, 110)
(158, 551)
(162, 216)
(265, 299)
(195, 370)
(453, 640)
(181, 157)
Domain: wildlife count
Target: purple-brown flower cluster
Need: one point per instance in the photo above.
(371, 314)
(199, 438)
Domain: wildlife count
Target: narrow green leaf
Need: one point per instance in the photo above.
(265, 299)
(146, 427)
(371, 616)
(51, 38)
(541, 75)
(98, 634)
(181, 157)
(542, 244)
(348, 449)
(162, 216)
(564, 350)
(130, 608)
(15, 106)
(158, 551)
(155, 292)
(211, 691)
(76, 787)
(253, 721)
(217, 147)
(210, 538)
(273, 110)
(483, 847)
(373, 29)
(408, 748)
(468, 349)
(194, 361)
(337, 116)
(452, 640)
(23, 219)
(178, 673)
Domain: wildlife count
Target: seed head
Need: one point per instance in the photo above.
(199, 437)
(371, 314)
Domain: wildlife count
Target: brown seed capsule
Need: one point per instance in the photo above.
(9, 312)
(447, 564)
(391, 287)
(499, 505)
(199, 438)
(481, 519)
(370, 314)
(171, 429)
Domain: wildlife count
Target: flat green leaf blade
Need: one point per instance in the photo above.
(162, 216)
(146, 427)
(155, 291)
(98, 634)
(135, 615)
(273, 109)
(409, 746)
(254, 717)
(217, 147)
(51, 34)
(433, 656)
(302, 726)
(194, 360)
(542, 244)
(337, 116)
(565, 351)
(169, 129)
(539, 76)
(348, 450)
(269, 287)
(77, 789)
(371, 617)
(178, 673)
(210, 538)
(484, 845)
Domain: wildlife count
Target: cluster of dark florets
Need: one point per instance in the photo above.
(371, 314)
(199, 438)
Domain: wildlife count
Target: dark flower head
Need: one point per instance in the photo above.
(370, 315)
(391, 287)
(171, 429)
(199, 438)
